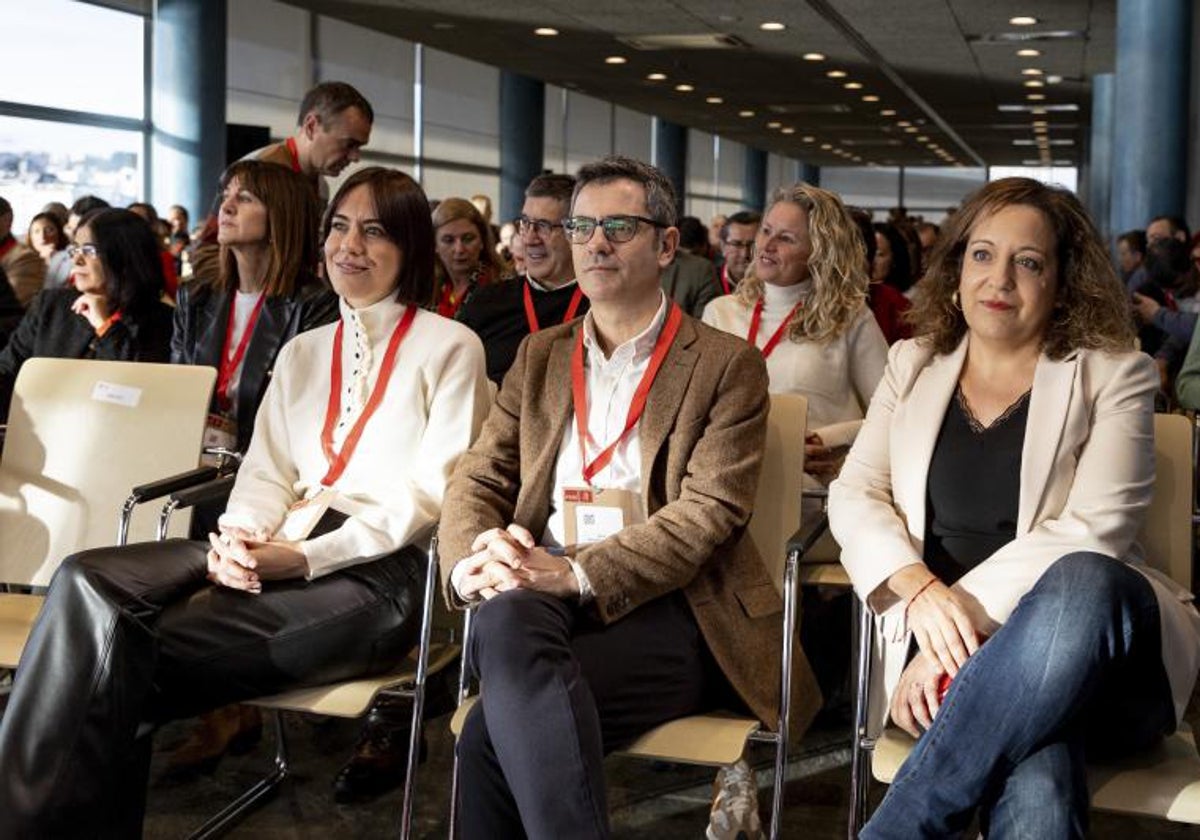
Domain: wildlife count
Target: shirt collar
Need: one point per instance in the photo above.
(376, 320)
(640, 347)
(538, 287)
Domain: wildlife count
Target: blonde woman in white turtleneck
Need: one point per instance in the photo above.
(808, 284)
(315, 575)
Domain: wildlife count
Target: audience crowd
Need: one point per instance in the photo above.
(595, 513)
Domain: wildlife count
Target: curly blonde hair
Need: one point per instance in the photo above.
(837, 266)
(1090, 308)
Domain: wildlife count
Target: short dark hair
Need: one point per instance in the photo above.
(741, 217)
(129, 252)
(551, 185)
(1166, 260)
(86, 204)
(403, 210)
(1135, 239)
(329, 99)
(660, 194)
(151, 213)
(692, 233)
(292, 218)
(1177, 223)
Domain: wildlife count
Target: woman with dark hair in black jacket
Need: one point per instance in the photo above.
(114, 311)
(266, 293)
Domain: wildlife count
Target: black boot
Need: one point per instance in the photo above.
(380, 757)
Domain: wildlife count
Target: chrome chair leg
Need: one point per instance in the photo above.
(861, 743)
(418, 693)
(232, 813)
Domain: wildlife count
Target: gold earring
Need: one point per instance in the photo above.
(954, 299)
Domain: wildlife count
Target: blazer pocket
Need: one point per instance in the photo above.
(760, 601)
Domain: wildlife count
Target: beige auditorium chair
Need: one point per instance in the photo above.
(80, 434)
(718, 739)
(1163, 782)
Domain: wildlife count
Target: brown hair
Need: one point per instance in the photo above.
(60, 241)
(1090, 309)
(291, 225)
(451, 210)
(403, 210)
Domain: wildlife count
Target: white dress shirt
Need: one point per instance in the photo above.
(392, 488)
(243, 308)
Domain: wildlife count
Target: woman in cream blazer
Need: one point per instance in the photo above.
(1061, 624)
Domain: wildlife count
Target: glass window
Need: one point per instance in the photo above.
(1063, 176)
(42, 162)
(75, 56)
(869, 187)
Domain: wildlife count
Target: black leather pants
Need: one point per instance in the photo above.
(133, 636)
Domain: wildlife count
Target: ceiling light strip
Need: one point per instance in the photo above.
(825, 10)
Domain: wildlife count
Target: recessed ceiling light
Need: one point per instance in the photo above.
(836, 74)
(657, 77)
(826, 146)
(772, 26)
(1035, 97)
(1032, 71)
(1053, 80)
(870, 97)
(921, 138)
(545, 31)
(808, 138)
(774, 124)
(887, 112)
(714, 100)
(746, 113)
(1029, 53)
(903, 123)
(787, 130)
(615, 59)
(1040, 122)
(1038, 111)
(1034, 83)
(1022, 20)
(684, 88)
(444, 25)
(853, 86)
(814, 56)
(912, 129)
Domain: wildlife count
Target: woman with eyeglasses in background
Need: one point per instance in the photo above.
(113, 312)
(466, 255)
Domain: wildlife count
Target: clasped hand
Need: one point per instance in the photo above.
(241, 559)
(91, 307)
(509, 558)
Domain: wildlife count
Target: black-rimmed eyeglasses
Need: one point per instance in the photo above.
(527, 225)
(616, 229)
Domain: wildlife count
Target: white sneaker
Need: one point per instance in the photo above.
(734, 814)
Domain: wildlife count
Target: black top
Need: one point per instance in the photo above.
(202, 316)
(974, 487)
(496, 312)
(50, 328)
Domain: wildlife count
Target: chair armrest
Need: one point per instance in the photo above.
(810, 531)
(209, 491)
(171, 484)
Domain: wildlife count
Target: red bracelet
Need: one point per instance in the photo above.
(917, 595)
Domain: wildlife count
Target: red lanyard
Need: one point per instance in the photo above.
(339, 460)
(756, 319)
(295, 153)
(531, 314)
(725, 280)
(228, 363)
(636, 406)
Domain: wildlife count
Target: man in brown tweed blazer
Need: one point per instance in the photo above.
(582, 647)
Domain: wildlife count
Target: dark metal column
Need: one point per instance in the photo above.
(669, 151)
(1149, 169)
(188, 103)
(809, 173)
(1100, 153)
(754, 180)
(522, 139)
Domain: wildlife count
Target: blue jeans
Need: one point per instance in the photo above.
(1080, 655)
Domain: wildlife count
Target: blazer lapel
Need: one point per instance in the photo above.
(664, 400)
(915, 434)
(1053, 386)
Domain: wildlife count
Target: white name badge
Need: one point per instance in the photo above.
(304, 515)
(110, 392)
(593, 514)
